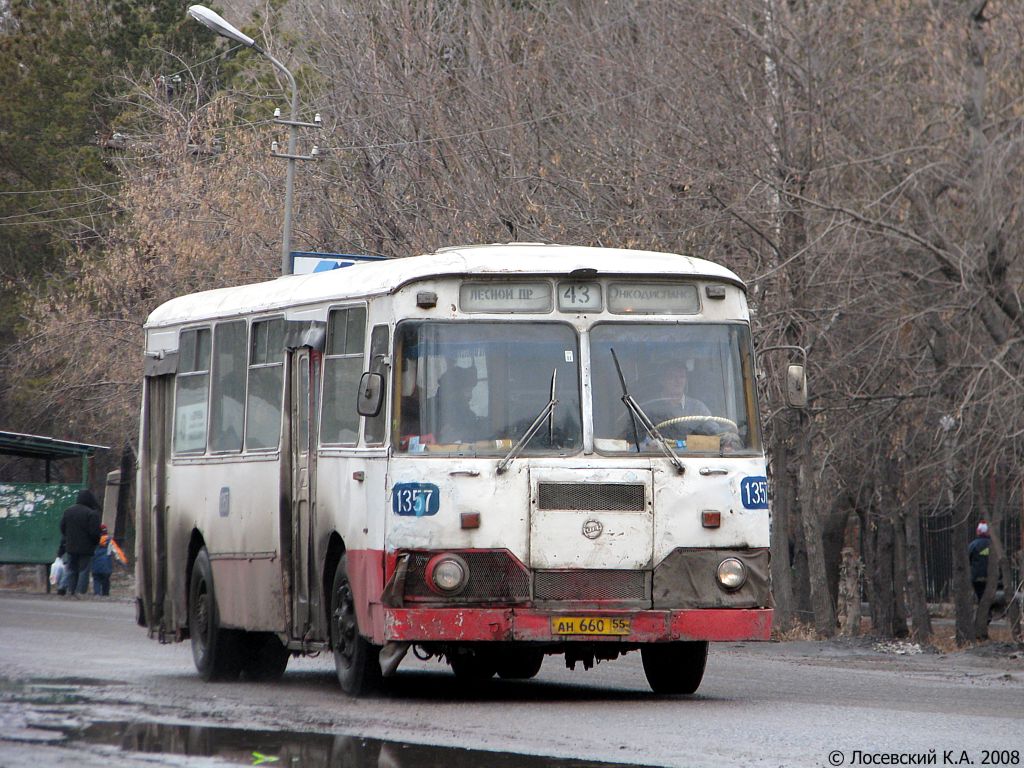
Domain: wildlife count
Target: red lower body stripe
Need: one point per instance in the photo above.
(529, 625)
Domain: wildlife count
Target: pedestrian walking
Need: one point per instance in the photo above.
(977, 553)
(80, 527)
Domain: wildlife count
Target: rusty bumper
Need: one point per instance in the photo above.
(527, 625)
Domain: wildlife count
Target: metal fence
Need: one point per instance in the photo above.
(937, 550)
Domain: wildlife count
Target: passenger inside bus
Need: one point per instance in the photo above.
(476, 388)
(456, 421)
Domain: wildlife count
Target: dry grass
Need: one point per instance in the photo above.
(943, 639)
(799, 631)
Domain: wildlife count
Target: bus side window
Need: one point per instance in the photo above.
(266, 381)
(227, 413)
(376, 427)
(343, 365)
(191, 389)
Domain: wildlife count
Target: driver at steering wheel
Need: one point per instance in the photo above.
(672, 401)
(678, 414)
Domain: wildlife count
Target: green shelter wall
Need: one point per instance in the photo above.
(30, 516)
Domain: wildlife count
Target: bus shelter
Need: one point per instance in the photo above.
(30, 512)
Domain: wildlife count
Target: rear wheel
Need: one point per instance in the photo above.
(520, 664)
(214, 649)
(264, 657)
(356, 659)
(675, 667)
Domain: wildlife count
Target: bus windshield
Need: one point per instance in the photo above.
(475, 388)
(693, 381)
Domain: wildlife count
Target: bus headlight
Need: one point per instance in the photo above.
(447, 574)
(732, 574)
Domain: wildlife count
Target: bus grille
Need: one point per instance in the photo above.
(612, 497)
(590, 585)
(493, 575)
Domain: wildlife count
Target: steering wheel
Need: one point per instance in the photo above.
(682, 419)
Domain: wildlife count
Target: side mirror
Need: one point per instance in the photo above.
(796, 386)
(371, 394)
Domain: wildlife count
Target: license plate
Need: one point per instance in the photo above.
(589, 625)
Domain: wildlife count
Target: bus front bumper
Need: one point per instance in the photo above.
(415, 625)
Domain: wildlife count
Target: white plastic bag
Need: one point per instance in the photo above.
(57, 572)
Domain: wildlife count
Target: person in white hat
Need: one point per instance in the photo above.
(977, 553)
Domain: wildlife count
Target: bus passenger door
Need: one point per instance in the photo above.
(155, 604)
(303, 462)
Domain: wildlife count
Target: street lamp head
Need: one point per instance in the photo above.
(214, 21)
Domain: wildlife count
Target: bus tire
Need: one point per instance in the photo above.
(356, 659)
(675, 667)
(264, 657)
(214, 649)
(521, 664)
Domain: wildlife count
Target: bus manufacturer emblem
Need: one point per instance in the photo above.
(592, 529)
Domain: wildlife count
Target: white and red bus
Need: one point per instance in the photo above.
(489, 454)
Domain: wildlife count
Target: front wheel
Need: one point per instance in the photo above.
(522, 664)
(675, 667)
(356, 659)
(472, 666)
(214, 649)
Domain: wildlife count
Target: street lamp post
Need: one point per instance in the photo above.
(215, 22)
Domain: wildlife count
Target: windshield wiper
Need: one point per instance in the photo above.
(547, 412)
(638, 415)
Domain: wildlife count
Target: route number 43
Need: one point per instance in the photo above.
(579, 297)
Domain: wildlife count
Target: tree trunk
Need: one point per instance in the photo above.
(849, 593)
(882, 615)
(1013, 615)
(821, 600)
(917, 600)
(899, 574)
(867, 554)
(782, 506)
(963, 595)
(834, 533)
(801, 581)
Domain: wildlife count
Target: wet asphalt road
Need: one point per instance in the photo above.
(81, 685)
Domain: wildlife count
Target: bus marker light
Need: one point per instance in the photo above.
(711, 518)
(470, 519)
(732, 574)
(359, 475)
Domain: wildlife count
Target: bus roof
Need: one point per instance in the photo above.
(383, 277)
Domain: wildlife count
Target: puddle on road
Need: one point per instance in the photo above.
(58, 691)
(295, 749)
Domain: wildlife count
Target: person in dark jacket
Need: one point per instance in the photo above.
(80, 527)
(977, 553)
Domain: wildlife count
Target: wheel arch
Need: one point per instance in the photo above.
(195, 543)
